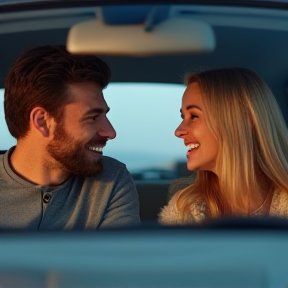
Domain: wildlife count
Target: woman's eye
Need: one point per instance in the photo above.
(193, 116)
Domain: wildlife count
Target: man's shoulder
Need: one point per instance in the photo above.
(113, 175)
(113, 170)
(1, 163)
(3, 173)
(112, 162)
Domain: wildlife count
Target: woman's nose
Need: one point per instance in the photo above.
(181, 131)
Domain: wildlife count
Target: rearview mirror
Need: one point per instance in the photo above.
(172, 36)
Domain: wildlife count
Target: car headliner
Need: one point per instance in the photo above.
(261, 46)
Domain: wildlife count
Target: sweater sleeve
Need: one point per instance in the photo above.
(123, 206)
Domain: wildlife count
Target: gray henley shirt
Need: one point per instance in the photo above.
(106, 200)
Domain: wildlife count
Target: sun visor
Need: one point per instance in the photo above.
(175, 35)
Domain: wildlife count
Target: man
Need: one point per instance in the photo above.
(56, 176)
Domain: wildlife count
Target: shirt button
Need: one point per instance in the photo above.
(46, 198)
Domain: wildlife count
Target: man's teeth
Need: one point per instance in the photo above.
(97, 149)
(192, 146)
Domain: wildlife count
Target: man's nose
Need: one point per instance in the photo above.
(107, 130)
(181, 130)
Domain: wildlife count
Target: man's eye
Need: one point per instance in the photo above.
(93, 117)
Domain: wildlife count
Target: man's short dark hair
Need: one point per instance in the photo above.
(39, 77)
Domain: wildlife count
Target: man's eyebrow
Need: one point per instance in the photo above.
(191, 107)
(97, 110)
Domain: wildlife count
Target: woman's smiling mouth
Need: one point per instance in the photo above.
(192, 146)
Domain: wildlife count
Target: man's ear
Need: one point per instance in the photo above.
(40, 120)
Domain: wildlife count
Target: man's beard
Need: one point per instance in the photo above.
(71, 155)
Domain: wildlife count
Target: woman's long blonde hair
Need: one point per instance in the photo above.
(245, 118)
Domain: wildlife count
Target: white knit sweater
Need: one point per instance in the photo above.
(170, 215)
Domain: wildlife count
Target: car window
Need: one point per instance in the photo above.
(144, 116)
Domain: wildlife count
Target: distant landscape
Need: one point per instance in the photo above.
(139, 160)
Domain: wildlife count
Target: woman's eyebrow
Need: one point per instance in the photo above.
(191, 107)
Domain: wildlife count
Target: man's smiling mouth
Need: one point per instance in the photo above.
(96, 149)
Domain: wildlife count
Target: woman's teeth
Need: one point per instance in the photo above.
(192, 146)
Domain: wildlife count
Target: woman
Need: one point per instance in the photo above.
(237, 141)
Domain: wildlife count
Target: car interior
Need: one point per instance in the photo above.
(150, 46)
(250, 34)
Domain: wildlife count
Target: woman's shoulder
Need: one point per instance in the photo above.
(279, 204)
(171, 215)
(179, 184)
